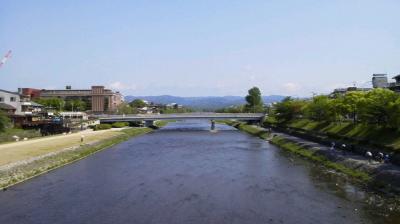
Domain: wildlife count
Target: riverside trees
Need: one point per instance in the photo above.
(378, 106)
(254, 101)
(4, 121)
(254, 104)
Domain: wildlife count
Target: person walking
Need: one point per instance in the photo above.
(368, 154)
(387, 158)
(380, 157)
(344, 148)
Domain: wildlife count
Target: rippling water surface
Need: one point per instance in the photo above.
(183, 173)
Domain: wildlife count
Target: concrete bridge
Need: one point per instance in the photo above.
(150, 118)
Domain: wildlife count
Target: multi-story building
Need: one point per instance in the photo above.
(395, 86)
(10, 101)
(14, 103)
(380, 81)
(98, 98)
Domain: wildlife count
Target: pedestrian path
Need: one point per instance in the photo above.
(23, 150)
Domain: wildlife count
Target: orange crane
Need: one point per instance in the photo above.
(5, 58)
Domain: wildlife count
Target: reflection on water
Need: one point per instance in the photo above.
(375, 206)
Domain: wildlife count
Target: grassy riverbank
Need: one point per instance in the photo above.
(14, 173)
(306, 153)
(251, 129)
(361, 134)
(7, 135)
(301, 151)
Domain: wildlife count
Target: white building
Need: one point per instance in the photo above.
(20, 105)
(380, 81)
(74, 115)
(11, 99)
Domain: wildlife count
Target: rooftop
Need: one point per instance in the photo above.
(6, 91)
(5, 106)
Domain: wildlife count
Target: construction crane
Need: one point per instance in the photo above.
(5, 58)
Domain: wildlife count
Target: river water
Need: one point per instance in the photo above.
(183, 173)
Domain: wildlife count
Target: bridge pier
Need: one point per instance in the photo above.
(212, 125)
(148, 123)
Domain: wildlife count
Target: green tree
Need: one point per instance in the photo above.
(254, 101)
(394, 114)
(4, 121)
(137, 103)
(54, 103)
(231, 109)
(380, 107)
(75, 105)
(341, 110)
(125, 108)
(353, 105)
(321, 108)
(288, 109)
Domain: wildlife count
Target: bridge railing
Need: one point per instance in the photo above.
(185, 115)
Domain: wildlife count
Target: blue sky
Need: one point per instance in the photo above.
(199, 48)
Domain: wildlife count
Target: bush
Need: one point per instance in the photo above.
(102, 127)
(7, 135)
(4, 121)
(93, 126)
(120, 124)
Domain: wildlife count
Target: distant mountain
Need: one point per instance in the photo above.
(203, 103)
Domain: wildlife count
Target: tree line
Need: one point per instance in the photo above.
(59, 104)
(254, 104)
(378, 106)
(134, 106)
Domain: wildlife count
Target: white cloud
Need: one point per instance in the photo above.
(291, 87)
(117, 85)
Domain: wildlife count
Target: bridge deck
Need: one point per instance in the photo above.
(182, 116)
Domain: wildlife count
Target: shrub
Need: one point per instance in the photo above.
(102, 127)
(93, 126)
(120, 124)
(4, 121)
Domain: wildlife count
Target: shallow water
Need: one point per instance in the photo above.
(183, 173)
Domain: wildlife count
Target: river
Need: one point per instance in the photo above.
(183, 173)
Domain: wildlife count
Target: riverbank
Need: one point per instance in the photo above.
(27, 160)
(360, 137)
(8, 135)
(380, 176)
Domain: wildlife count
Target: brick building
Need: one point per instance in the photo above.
(98, 98)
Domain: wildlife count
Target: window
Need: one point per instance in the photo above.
(12, 99)
(1, 99)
